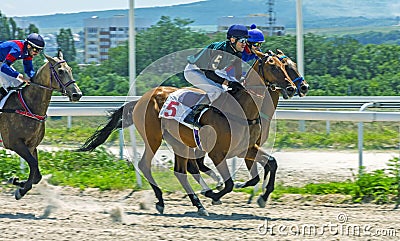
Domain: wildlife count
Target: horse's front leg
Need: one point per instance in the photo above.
(34, 173)
(272, 167)
(38, 177)
(223, 169)
(253, 155)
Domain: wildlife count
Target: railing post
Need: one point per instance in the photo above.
(361, 137)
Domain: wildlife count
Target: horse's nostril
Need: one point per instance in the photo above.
(304, 87)
(76, 96)
(290, 89)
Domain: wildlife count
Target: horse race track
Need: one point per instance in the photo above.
(62, 213)
(68, 214)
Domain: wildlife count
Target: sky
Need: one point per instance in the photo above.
(19, 8)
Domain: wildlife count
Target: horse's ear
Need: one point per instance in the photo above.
(60, 54)
(279, 51)
(48, 58)
(259, 54)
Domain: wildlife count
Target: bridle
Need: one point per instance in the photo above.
(272, 86)
(54, 76)
(298, 80)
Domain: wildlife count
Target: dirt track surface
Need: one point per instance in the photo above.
(62, 213)
(54, 213)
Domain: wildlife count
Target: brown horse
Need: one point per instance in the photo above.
(22, 124)
(231, 132)
(268, 162)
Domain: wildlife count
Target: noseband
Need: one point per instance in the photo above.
(54, 75)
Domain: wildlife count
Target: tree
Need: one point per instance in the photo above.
(65, 42)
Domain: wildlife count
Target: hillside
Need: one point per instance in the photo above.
(316, 14)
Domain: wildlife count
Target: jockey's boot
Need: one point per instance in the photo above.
(193, 116)
(3, 92)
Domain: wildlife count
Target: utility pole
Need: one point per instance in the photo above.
(272, 17)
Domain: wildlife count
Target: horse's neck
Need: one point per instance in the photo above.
(37, 98)
(242, 106)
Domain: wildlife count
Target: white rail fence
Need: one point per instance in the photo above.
(102, 105)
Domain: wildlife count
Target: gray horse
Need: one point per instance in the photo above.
(22, 123)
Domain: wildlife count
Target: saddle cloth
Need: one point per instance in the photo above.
(177, 106)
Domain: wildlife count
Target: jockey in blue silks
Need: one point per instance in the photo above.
(256, 38)
(13, 50)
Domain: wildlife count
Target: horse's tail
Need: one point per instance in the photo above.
(120, 118)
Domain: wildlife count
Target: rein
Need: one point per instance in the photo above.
(27, 112)
(54, 75)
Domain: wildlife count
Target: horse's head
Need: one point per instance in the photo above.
(273, 74)
(61, 78)
(291, 69)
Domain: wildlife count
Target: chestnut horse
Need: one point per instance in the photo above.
(268, 162)
(22, 124)
(224, 134)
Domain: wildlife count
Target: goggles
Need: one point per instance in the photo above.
(241, 40)
(37, 50)
(256, 44)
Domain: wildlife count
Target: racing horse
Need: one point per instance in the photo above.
(223, 134)
(269, 162)
(22, 121)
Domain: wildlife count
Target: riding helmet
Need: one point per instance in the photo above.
(255, 34)
(35, 40)
(237, 31)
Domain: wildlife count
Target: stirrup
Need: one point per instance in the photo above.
(193, 117)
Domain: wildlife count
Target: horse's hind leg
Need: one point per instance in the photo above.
(180, 173)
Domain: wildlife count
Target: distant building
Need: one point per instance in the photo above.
(101, 34)
(262, 21)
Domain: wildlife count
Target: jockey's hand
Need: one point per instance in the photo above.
(24, 79)
(234, 87)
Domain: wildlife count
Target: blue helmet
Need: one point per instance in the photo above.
(35, 40)
(256, 35)
(237, 31)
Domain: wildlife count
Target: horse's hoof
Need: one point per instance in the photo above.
(239, 184)
(220, 186)
(160, 208)
(37, 179)
(203, 212)
(250, 199)
(261, 202)
(18, 194)
(218, 202)
(209, 193)
(204, 191)
(12, 180)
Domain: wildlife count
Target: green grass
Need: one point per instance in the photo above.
(343, 135)
(101, 169)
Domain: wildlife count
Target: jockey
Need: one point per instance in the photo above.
(253, 43)
(12, 50)
(207, 69)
